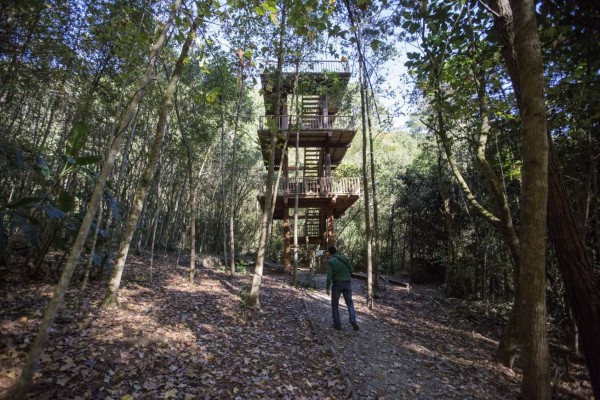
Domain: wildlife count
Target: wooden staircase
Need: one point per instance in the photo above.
(310, 105)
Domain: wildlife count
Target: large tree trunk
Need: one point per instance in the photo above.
(51, 311)
(111, 297)
(532, 282)
(576, 267)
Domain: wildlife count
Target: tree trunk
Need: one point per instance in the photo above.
(233, 177)
(154, 227)
(192, 193)
(88, 266)
(33, 356)
(376, 238)
(111, 298)
(192, 223)
(222, 169)
(576, 267)
(368, 237)
(363, 94)
(532, 283)
(253, 298)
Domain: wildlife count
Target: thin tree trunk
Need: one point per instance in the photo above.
(192, 193)
(363, 94)
(365, 173)
(376, 238)
(254, 297)
(88, 266)
(222, 169)
(233, 166)
(155, 226)
(111, 298)
(33, 356)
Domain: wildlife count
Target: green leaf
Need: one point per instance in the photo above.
(42, 165)
(87, 160)
(66, 201)
(375, 44)
(273, 17)
(77, 138)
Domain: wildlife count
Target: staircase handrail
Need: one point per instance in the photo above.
(307, 122)
(313, 66)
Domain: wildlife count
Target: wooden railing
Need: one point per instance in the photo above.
(313, 66)
(318, 186)
(306, 122)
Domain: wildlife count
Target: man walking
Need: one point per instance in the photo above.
(339, 276)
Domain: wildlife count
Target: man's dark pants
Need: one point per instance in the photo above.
(337, 289)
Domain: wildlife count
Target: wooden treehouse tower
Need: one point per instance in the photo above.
(317, 141)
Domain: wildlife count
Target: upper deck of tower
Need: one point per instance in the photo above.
(314, 77)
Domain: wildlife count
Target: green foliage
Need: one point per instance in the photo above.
(77, 138)
(241, 267)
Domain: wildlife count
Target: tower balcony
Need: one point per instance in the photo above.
(333, 132)
(312, 66)
(337, 193)
(307, 123)
(313, 186)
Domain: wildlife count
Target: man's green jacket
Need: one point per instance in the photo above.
(339, 269)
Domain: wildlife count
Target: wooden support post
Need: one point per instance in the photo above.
(287, 265)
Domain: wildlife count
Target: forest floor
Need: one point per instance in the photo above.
(173, 340)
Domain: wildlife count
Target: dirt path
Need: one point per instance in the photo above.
(413, 346)
(173, 340)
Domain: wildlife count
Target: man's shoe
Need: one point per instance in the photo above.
(355, 326)
(337, 327)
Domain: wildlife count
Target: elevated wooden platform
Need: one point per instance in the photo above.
(314, 76)
(334, 134)
(338, 202)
